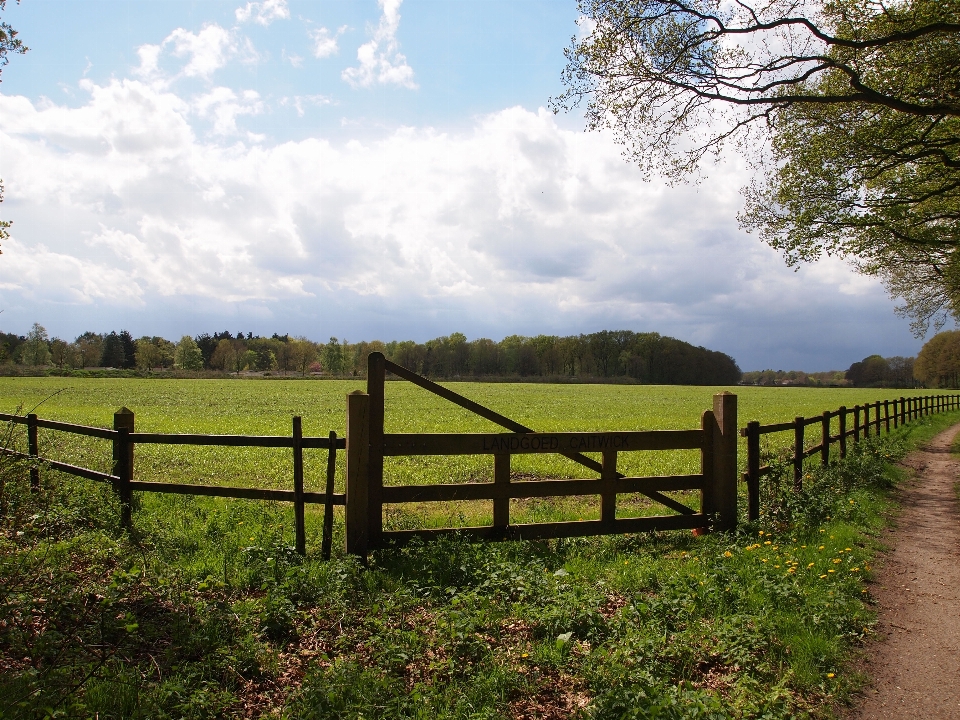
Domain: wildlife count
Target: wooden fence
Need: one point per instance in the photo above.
(368, 445)
(123, 478)
(870, 419)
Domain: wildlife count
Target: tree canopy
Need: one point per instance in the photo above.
(848, 111)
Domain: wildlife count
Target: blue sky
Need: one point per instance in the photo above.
(370, 170)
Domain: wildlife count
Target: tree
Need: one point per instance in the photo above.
(60, 354)
(188, 355)
(332, 357)
(849, 110)
(36, 350)
(938, 362)
(111, 352)
(10, 44)
(129, 350)
(88, 348)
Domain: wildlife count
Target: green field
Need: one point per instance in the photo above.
(204, 611)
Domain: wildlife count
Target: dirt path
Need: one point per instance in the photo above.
(915, 665)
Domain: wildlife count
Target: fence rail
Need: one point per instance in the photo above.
(885, 415)
(124, 439)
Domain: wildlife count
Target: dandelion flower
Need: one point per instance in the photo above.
(830, 571)
(821, 547)
(846, 549)
(830, 675)
(728, 554)
(768, 543)
(823, 576)
(810, 565)
(523, 655)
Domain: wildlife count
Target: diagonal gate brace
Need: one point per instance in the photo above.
(504, 421)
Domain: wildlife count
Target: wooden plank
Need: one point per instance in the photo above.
(752, 476)
(813, 420)
(33, 449)
(358, 451)
(400, 444)
(65, 467)
(277, 441)
(810, 452)
(102, 433)
(299, 527)
(321, 498)
(322, 443)
(501, 503)
(544, 531)
(778, 427)
(213, 491)
(450, 492)
(376, 373)
(326, 541)
(15, 419)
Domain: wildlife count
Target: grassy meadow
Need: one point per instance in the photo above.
(205, 611)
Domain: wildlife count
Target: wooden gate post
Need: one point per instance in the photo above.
(123, 423)
(376, 378)
(798, 453)
(300, 533)
(33, 450)
(357, 509)
(725, 473)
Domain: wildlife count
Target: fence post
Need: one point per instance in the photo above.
(725, 460)
(879, 418)
(825, 442)
(376, 377)
(357, 511)
(856, 423)
(896, 415)
(798, 453)
(501, 481)
(866, 421)
(886, 413)
(123, 423)
(753, 470)
(300, 532)
(903, 410)
(843, 431)
(33, 450)
(708, 502)
(327, 539)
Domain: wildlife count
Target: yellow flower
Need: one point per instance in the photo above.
(763, 560)
(846, 549)
(823, 576)
(761, 532)
(821, 547)
(830, 571)
(836, 560)
(830, 675)
(791, 570)
(728, 554)
(810, 565)
(854, 569)
(524, 655)
(768, 543)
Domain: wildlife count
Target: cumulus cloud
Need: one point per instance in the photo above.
(263, 13)
(380, 58)
(511, 225)
(326, 44)
(205, 52)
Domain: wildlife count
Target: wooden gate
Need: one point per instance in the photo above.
(368, 445)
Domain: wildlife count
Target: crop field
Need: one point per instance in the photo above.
(253, 407)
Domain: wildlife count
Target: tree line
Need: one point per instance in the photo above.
(648, 358)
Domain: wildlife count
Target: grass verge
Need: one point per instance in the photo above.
(206, 612)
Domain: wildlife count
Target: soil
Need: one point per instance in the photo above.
(915, 663)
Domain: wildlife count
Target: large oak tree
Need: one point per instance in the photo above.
(847, 109)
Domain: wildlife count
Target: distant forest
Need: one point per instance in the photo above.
(608, 355)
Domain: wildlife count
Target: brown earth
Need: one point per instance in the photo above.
(915, 663)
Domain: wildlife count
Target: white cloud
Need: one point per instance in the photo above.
(205, 52)
(511, 225)
(298, 102)
(222, 105)
(263, 13)
(325, 44)
(380, 59)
